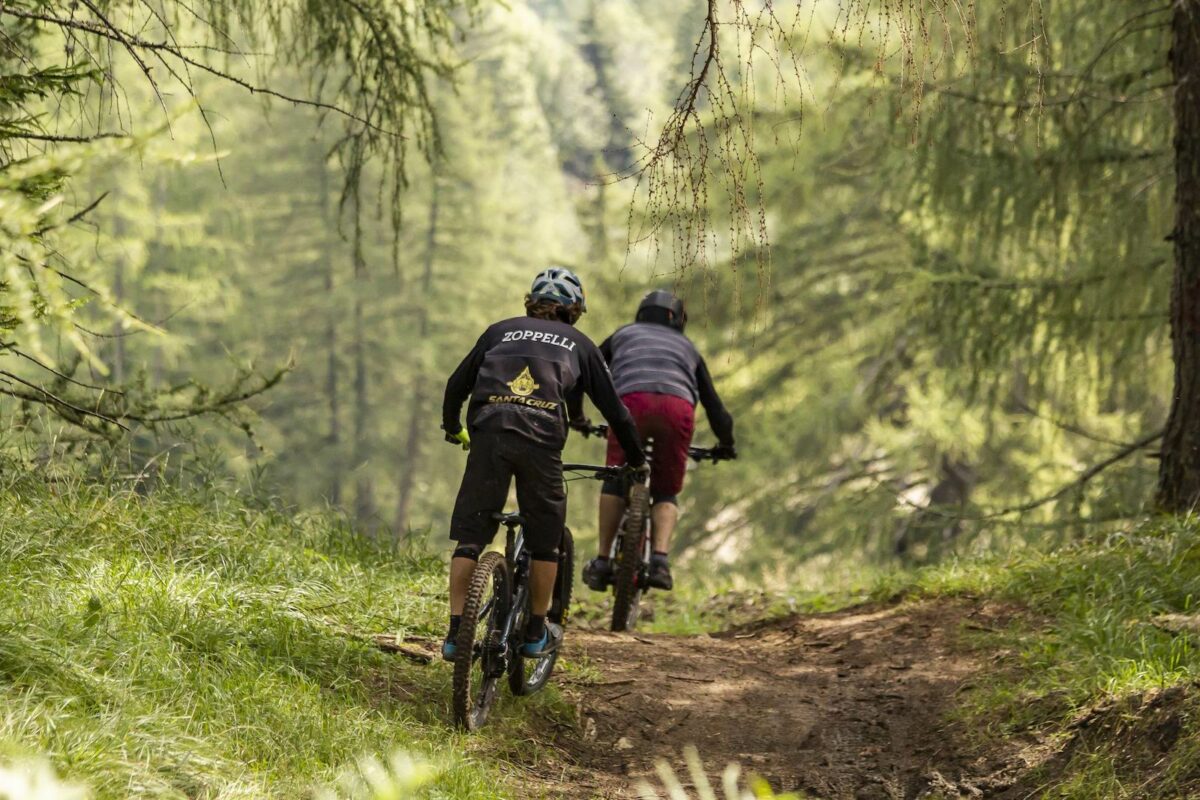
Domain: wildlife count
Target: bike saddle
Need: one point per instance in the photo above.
(508, 519)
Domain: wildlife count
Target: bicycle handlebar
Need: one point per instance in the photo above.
(712, 454)
(697, 454)
(599, 471)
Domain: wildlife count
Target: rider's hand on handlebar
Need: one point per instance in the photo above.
(462, 438)
(724, 452)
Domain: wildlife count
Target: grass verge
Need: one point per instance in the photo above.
(173, 645)
(1099, 671)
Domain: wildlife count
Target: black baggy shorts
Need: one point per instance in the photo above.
(494, 460)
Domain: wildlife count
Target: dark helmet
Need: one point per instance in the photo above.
(664, 308)
(559, 285)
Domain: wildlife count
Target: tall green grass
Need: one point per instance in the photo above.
(178, 645)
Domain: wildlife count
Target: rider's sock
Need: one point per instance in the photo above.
(658, 557)
(455, 621)
(536, 628)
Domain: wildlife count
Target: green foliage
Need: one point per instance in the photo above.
(962, 315)
(966, 305)
(72, 76)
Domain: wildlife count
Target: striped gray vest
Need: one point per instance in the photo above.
(648, 357)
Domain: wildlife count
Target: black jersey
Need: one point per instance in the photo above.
(523, 376)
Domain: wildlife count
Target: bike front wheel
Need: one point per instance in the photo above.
(528, 675)
(480, 648)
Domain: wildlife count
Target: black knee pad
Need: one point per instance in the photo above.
(545, 555)
(664, 498)
(471, 551)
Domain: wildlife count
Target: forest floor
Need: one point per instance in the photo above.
(851, 704)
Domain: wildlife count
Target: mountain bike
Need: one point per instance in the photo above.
(631, 549)
(492, 630)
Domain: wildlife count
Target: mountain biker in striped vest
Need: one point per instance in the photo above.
(660, 377)
(523, 378)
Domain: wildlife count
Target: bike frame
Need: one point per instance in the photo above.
(518, 568)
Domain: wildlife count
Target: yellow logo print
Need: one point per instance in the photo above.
(523, 385)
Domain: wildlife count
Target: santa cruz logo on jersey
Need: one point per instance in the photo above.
(539, 336)
(524, 384)
(522, 387)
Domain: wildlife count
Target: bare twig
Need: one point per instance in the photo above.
(71, 220)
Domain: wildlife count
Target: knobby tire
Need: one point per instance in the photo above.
(491, 571)
(627, 594)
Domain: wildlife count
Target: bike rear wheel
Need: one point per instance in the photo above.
(627, 588)
(479, 659)
(528, 675)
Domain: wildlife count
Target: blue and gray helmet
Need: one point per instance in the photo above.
(559, 285)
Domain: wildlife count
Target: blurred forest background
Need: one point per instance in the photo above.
(926, 262)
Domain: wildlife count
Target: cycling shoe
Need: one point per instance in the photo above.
(449, 650)
(549, 642)
(660, 577)
(597, 574)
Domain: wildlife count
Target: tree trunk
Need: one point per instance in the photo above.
(364, 496)
(940, 521)
(411, 454)
(333, 439)
(118, 288)
(1179, 473)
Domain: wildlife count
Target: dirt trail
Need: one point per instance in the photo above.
(845, 705)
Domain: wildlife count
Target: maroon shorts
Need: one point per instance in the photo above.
(670, 422)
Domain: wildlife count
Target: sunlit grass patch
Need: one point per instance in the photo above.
(180, 646)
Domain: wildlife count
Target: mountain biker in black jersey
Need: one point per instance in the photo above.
(524, 377)
(660, 377)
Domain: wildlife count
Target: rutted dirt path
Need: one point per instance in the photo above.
(846, 705)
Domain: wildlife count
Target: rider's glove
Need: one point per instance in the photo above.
(461, 438)
(583, 425)
(635, 460)
(725, 452)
